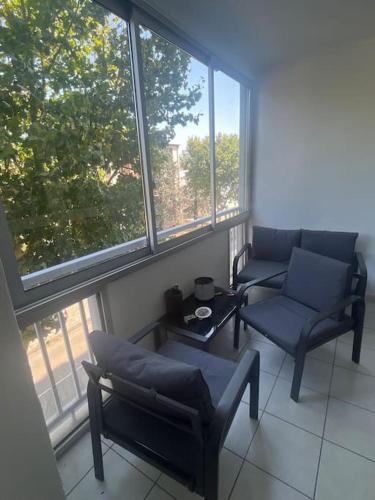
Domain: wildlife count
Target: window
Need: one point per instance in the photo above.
(70, 173)
(227, 144)
(95, 174)
(176, 100)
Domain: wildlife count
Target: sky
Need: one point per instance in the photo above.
(227, 105)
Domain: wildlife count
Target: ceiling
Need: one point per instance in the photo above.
(254, 35)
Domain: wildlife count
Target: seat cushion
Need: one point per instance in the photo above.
(281, 319)
(255, 268)
(335, 244)
(216, 371)
(316, 281)
(175, 379)
(274, 244)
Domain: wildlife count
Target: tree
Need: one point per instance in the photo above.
(196, 161)
(70, 174)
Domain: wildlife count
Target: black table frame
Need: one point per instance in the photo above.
(209, 327)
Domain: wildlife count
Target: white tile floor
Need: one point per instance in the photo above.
(321, 448)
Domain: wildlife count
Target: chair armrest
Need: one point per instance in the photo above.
(361, 275)
(143, 332)
(230, 400)
(340, 306)
(247, 246)
(256, 282)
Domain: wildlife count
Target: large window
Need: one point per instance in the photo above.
(177, 110)
(70, 174)
(119, 139)
(227, 143)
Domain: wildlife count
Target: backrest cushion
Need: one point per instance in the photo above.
(176, 380)
(315, 280)
(335, 244)
(274, 244)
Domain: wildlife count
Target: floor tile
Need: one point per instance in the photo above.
(351, 427)
(344, 358)
(289, 453)
(76, 462)
(241, 431)
(344, 475)
(120, 478)
(368, 339)
(253, 483)
(369, 318)
(158, 493)
(353, 387)
(309, 413)
(150, 471)
(229, 467)
(271, 357)
(266, 382)
(316, 374)
(325, 353)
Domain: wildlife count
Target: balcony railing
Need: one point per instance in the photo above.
(55, 348)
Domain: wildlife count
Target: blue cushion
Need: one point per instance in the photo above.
(174, 379)
(281, 319)
(316, 281)
(255, 268)
(274, 244)
(216, 371)
(335, 244)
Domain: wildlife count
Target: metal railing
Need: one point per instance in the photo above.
(55, 359)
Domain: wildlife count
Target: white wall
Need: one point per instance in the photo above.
(27, 465)
(315, 148)
(137, 299)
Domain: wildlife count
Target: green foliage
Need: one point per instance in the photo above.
(196, 161)
(69, 161)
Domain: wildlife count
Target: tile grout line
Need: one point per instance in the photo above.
(256, 430)
(325, 421)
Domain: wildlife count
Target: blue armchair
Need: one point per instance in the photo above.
(310, 310)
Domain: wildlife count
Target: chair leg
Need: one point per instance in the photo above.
(254, 388)
(297, 376)
(246, 302)
(212, 478)
(357, 343)
(236, 339)
(98, 455)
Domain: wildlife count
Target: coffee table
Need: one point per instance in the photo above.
(224, 305)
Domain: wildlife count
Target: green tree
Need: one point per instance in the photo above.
(196, 161)
(70, 175)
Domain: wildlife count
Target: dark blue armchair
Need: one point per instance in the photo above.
(311, 309)
(173, 408)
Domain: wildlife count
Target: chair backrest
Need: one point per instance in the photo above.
(274, 244)
(148, 401)
(335, 244)
(315, 280)
(175, 380)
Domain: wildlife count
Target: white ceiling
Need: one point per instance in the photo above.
(254, 35)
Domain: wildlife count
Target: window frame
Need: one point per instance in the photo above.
(88, 274)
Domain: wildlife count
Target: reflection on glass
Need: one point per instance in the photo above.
(70, 174)
(227, 144)
(176, 96)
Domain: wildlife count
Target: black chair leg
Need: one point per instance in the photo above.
(94, 400)
(254, 388)
(212, 478)
(236, 339)
(246, 302)
(297, 376)
(357, 344)
(98, 456)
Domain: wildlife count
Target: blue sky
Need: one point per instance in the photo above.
(227, 105)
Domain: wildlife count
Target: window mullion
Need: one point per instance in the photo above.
(244, 148)
(211, 97)
(142, 133)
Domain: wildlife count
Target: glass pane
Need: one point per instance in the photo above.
(176, 96)
(227, 144)
(70, 174)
